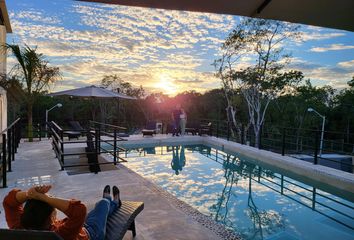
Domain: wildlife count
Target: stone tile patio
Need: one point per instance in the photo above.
(161, 219)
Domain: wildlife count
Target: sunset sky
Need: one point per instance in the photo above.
(164, 51)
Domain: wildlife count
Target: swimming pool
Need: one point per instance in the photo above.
(254, 200)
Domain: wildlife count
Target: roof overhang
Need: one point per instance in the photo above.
(5, 16)
(336, 14)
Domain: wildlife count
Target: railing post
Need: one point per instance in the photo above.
(4, 167)
(283, 143)
(18, 134)
(13, 146)
(99, 140)
(260, 137)
(242, 135)
(40, 131)
(9, 155)
(217, 128)
(96, 142)
(228, 130)
(61, 149)
(315, 160)
(115, 147)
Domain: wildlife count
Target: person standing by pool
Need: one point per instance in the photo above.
(176, 119)
(183, 121)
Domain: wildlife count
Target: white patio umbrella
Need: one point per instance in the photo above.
(92, 92)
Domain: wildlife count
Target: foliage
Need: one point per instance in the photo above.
(265, 77)
(34, 75)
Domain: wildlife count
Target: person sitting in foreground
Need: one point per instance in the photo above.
(39, 213)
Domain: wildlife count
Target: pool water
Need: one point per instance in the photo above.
(252, 200)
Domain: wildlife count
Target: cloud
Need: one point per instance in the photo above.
(140, 44)
(150, 47)
(347, 64)
(332, 75)
(332, 47)
(35, 16)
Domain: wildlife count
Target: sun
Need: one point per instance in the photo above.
(165, 85)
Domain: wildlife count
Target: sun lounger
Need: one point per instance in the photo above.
(123, 220)
(150, 129)
(16, 234)
(72, 134)
(118, 224)
(75, 125)
(205, 129)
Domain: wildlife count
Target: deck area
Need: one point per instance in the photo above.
(161, 219)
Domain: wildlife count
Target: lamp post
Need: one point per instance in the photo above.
(59, 105)
(323, 124)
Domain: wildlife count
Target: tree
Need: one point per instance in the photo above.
(35, 75)
(116, 84)
(263, 77)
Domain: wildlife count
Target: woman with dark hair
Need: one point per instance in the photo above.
(39, 213)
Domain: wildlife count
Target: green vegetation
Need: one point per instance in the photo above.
(33, 76)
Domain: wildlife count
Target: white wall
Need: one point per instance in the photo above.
(3, 109)
(3, 99)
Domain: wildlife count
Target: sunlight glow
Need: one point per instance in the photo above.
(166, 85)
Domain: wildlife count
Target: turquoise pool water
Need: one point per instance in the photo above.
(255, 201)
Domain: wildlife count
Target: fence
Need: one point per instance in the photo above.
(337, 148)
(11, 137)
(96, 134)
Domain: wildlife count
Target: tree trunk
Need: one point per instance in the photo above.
(30, 121)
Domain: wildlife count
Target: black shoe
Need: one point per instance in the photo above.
(116, 196)
(107, 190)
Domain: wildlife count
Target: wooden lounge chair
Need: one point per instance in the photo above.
(150, 129)
(76, 131)
(118, 224)
(17, 234)
(205, 129)
(123, 220)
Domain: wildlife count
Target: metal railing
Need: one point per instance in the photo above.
(299, 143)
(98, 133)
(11, 137)
(336, 208)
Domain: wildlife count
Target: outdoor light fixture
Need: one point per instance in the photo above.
(323, 124)
(59, 105)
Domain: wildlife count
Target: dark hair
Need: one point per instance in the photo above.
(36, 215)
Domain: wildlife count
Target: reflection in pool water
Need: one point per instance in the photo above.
(256, 202)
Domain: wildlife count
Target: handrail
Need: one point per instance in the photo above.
(11, 125)
(59, 144)
(108, 125)
(11, 137)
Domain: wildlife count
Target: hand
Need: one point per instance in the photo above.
(38, 192)
(43, 188)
